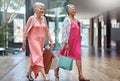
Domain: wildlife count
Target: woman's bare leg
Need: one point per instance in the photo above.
(56, 71)
(80, 73)
(79, 66)
(29, 73)
(43, 73)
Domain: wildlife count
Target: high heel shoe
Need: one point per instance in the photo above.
(83, 79)
(56, 73)
(29, 77)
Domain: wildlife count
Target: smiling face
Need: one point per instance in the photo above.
(72, 11)
(39, 10)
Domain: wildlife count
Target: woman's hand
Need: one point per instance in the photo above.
(24, 46)
(66, 46)
(51, 45)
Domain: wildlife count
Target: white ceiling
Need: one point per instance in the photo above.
(91, 8)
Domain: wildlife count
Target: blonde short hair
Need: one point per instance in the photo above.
(37, 4)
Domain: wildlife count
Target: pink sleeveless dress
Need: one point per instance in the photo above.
(74, 42)
(36, 38)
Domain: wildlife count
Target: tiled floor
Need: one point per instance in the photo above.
(97, 65)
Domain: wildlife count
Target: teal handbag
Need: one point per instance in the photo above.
(65, 62)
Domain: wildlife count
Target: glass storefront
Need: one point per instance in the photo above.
(11, 21)
(85, 25)
(1, 23)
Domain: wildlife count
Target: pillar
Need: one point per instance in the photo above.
(108, 30)
(91, 32)
(29, 12)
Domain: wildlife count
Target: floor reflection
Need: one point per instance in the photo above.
(98, 65)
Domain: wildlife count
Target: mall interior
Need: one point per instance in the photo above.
(100, 40)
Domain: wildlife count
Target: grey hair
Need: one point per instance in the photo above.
(69, 6)
(37, 4)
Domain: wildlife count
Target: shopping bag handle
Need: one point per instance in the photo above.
(66, 52)
(48, 47)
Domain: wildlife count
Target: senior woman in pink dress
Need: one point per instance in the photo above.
(71, 40)
(36, 30)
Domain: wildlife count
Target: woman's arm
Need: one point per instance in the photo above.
(48, 33)
(25, 34)
(65, 30)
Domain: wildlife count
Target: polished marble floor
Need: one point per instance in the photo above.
(98, 65)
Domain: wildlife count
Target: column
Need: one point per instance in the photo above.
(28, 14)
(99, 32)
(91, 33)
(108, 30)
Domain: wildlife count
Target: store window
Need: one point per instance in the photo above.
(10, 14)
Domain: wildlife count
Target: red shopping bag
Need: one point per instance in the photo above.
(47, 59)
